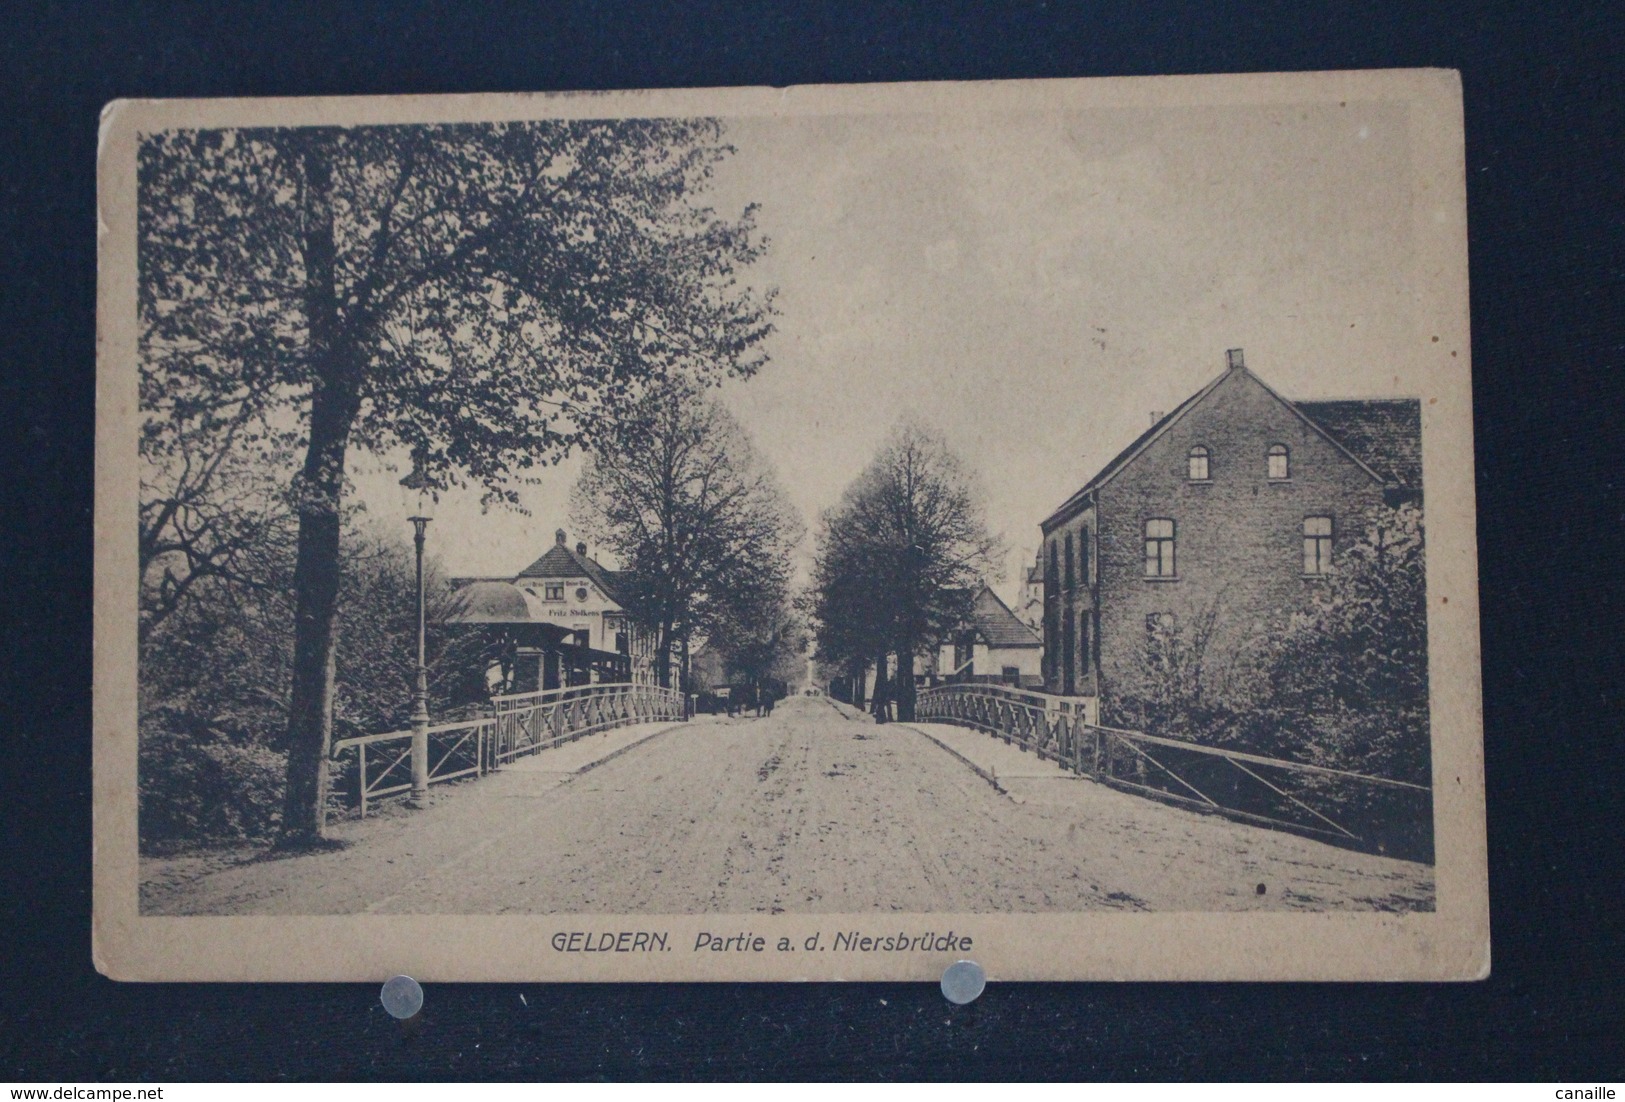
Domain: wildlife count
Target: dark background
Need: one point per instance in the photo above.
(1547, 217)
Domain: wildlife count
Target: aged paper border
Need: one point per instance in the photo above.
(1451, 943)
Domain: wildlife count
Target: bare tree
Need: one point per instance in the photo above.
(489, 296)
(699, 522)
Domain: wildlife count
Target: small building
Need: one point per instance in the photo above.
(563, 621)
(1224, 512)
(992, 646)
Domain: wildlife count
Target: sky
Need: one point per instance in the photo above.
(1034, 286)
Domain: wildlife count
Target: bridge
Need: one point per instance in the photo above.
(1375, 813)
(516, 725)
(604, 799)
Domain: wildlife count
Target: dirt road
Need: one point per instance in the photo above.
(807, 811)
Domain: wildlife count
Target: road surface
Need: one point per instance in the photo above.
(811, 810)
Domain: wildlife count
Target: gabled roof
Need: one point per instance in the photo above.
(1385, 433)
(1386, 430)
(564, 561)
(997, 625)
(1124, 457)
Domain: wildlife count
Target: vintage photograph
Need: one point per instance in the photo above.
(826, 531)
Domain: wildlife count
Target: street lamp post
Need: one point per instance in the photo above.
(416, 485)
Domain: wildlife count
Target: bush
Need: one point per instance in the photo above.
(1349, 676)
(1340, 682)
(1189, 685)
(201, 785)
(214, 683)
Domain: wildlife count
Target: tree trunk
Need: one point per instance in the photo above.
(663, 656)
(877, 704)
(903, 687)
(316, 594)
(859, 672)
(334, 403)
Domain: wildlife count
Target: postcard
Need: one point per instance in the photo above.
(822, 533)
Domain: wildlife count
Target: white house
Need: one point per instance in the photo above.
(565, 615)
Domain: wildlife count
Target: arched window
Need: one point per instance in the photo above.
(1198, 464)
(1159, 548)
(1279, 462)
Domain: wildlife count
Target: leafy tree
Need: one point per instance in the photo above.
(215, 677)
(488, 296)
(704, 533)
(210, 508)
(768, 644)
(900, 557)
(1192, 679)
(852, 624)
(1349, 675)
(1340, 681)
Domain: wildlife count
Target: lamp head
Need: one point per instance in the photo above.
(417, 495)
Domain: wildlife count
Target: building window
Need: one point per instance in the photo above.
(1317, 545)
(1198, 464)
(1069, 642)
(1083, 556)
(1052, 631)
(1279, 461)
(1071, 582)
(1159, 548)
(1085, 655)
(554, 592)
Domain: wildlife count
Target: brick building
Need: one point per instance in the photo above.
(1222, 512)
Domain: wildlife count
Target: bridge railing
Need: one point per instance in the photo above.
(1378, 814)
(516, 725)
(527, 722)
